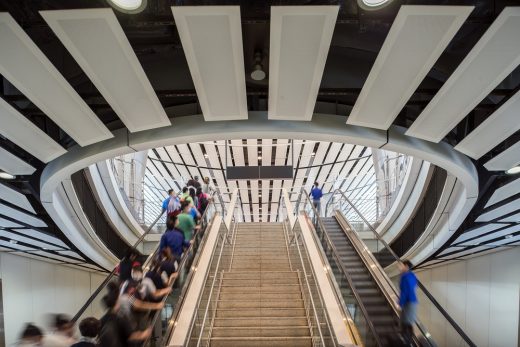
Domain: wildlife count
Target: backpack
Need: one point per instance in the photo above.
(203, 203)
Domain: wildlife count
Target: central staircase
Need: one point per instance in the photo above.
(260, 298)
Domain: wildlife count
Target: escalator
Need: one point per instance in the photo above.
(367, 290)
(379, 311)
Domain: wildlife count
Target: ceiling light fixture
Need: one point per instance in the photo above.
(206, 155)
(313, 154)
(6, 176)
(258, 73)
(259, 158)
(514, 170)
(128, 6)
(372, 5)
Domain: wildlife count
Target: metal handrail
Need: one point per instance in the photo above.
(347, 275)
(397, 258)
(181, 265)
(113, 272)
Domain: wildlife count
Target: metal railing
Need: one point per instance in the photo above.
(343, 278)
(422, 289)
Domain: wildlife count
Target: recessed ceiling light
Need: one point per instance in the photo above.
(259, 158)
(128, 6)
(373, 4)
(13, 241)
(514, 170)
(6, 176)
(510, 236)
(313, 154)
(206, 155)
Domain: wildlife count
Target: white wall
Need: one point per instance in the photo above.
(33, 288)
(482, 296)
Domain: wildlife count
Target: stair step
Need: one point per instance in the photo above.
(255, 312)
(260, 321)
(261, 341)
(250, 303)
(254, 331)
(264, 282)
(260, 296)
(260, 274)
(267, 289)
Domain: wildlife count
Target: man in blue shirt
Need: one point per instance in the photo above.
(316, 194)
(407, 300)
(173, 238)
(171, 203)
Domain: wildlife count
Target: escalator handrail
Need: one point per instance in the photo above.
(345, 272)
(398, 259)
(113, 272)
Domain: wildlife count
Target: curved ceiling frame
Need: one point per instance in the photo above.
(323, 127)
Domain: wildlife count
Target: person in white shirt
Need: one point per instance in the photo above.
(63, 334)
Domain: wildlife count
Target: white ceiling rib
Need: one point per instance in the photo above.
(12, 164)
(15, 198)
(28, 136)
(494, 57)
(29, 70)
(97, 42)
(504, 192)
(211, 37)
(299, 43)
(500, 211)
(497, 127)
(505, 160)
(477, 232)
(417, 38)
(492, 236)
(23, 217)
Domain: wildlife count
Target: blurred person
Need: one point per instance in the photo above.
(89, 329)
(185, 195)
(171, 204)
(186, 220)
(168, 265)
(174, 238)
(194, 182)
(194, 198)
(407, 300)
(316, 194)
(124, 269)
(62, 334)
(206, 186)
(31, 336)
(202, 201)
(138, 298)
(117, 329)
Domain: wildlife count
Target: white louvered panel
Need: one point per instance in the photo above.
(242, 186)
(266, 152)
(281, 153)
(274, 212)
(43, 237)
(15, 246)
(97, 42)
(256, 213)
(211, 38)
(320, 153)
(238, 153)
(354, 174)
(252, 152)
(4, 223)
(476, 232)
(504, 192)
(161, 170)
(19, 130)
(28, 69)
(298, 146)
(12, 164)
(350, 163)
(162, 182)
(417, 38)
(500, 211)
(199, 159)
(512, 219)
(29, 241)
(495, 56)
(323, 174)
(16, 198)
(505, 160)
(497, 127)
(265, 213)
(305, 159)
(185, 154)
(300, 37)
(22, 217)
(163, 155)
(311, 178)
(265, 191)
(492, 236)
(254, 197)
(247, 213)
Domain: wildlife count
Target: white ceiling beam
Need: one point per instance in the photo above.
(299, 43)
(416, 40)
(97, 42)
(495, 129)
(494, 57)
(19, 130)
(10, 163)
(15, 198)
(504, 192)
(28, 69)
(505, 160)
(211, 37)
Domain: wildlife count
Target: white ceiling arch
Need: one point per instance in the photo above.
(194, 129)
